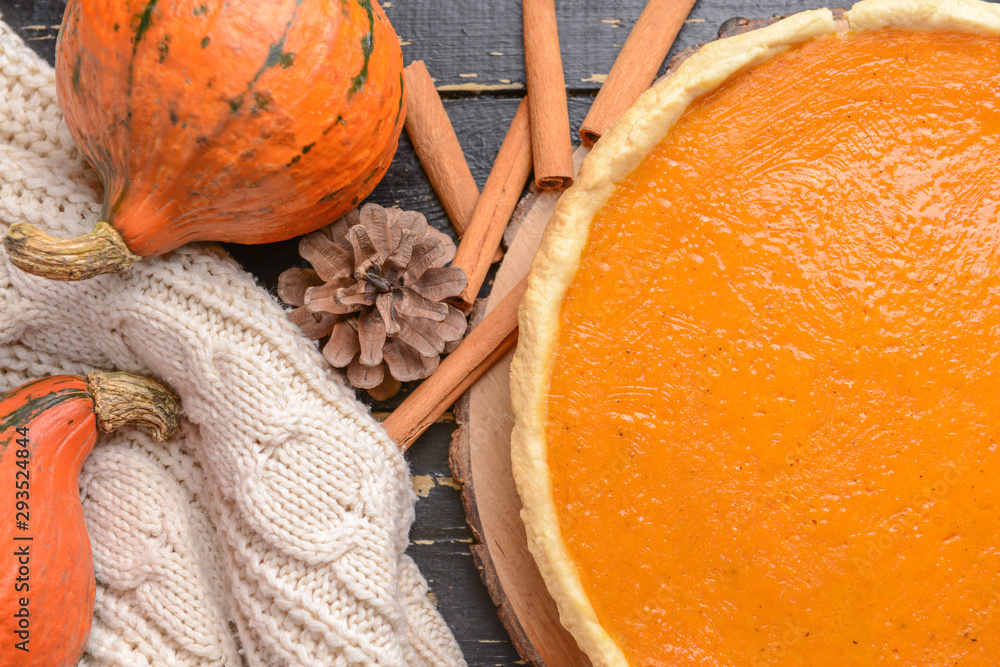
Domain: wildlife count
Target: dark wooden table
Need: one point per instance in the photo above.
(474, 51)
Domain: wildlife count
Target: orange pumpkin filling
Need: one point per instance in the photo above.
(775, 409)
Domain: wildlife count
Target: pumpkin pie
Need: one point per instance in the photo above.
(757, 386)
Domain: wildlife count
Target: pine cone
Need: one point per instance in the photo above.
(377, 289)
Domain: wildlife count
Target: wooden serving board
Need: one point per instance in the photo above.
(480, 453)
(480, 461)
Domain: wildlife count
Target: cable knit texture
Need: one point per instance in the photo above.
(271, 529)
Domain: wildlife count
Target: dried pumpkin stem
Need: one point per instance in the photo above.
(124, 399)
(100, 251)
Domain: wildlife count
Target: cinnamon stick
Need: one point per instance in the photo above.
(484, 345)
(437, 146)
(499, 199)
(636, 65)
(550, 134)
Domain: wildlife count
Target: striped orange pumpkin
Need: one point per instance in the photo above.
(48, 427)
(248, 122)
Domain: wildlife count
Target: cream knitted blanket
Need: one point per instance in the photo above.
(271, 530)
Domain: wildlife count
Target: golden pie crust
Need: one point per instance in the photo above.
(618, 153)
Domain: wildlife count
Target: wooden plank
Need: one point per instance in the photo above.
(459, 39)
(476, 47)
(440, 541)
(37, 22)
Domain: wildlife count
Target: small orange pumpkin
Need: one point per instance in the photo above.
(47, 429)
(225, 121)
